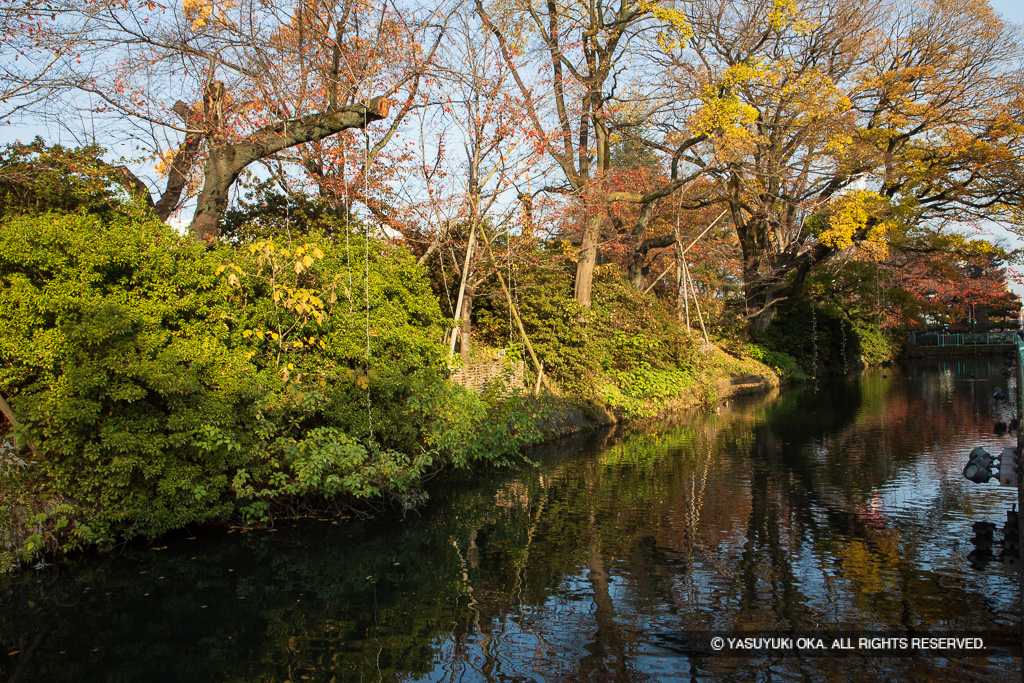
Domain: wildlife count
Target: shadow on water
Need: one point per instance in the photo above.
(830, 511)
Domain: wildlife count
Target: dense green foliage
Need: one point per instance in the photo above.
(267, 213)
(116, 358)
(37, 178)
(812, 339)
(160, 383)
(627, 350)
(784, 364)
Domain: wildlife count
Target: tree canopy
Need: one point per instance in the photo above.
(816, 126)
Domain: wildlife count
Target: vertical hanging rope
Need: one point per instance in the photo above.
(348, 228)
(511, 282)
(814, 343)
(366, 259)
(842, 328)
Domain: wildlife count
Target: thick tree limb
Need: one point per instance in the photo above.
(134, 185)
(227, 161)
(180, 165)
(177, 172)
(656, 243)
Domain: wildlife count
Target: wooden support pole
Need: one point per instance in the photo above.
(664, 272)
(713, 223)
(462, 289)
(686, 290)
(700, 316)
(658, 279)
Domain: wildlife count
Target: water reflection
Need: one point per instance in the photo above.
(821, 510)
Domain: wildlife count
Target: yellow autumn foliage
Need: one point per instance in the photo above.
(722, 110)
(851, 214)
(786, 14)
(198, 13)
(677, 30)
(162, 163)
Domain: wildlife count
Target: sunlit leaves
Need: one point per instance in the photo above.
(198, 12)
(675, 31)
(859, 215)
(294, 305)
(787, 14)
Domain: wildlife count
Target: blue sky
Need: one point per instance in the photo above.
(1012, 10)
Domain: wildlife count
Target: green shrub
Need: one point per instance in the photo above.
(307, 314)
(783, 363)
(113, 338)
(625, 337)
(877, 345)
(161, 383)
(36, 178)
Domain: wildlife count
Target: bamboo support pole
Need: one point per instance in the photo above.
(9, 414)
(658, 279)
(686, 291)
(695, 240)
(462, 290)
(700, 316)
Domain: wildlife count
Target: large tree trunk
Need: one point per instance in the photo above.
(760, 294)
(637, 271)
(762, 320)
(465, 324)
(227, 161)
(588, 259)
(638, 268)
(787, 272)
(758, 288)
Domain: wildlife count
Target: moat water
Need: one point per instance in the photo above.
(817, 532)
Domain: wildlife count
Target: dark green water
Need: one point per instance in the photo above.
(836, 511)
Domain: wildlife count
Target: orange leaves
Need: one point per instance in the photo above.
(163, 162)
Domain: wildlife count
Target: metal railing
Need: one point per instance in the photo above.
(1020, 388)
(961, 339)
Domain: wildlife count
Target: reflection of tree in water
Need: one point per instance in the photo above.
(608, 504)
(587, 567)
(812, 551)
